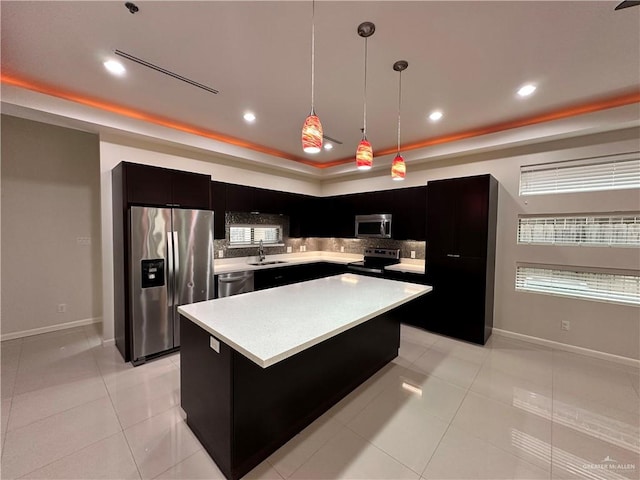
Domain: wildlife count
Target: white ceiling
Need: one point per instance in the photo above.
(465, 58)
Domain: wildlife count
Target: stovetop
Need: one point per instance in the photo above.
(375, 259)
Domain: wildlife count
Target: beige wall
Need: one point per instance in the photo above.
(599, 326)
(50, 199)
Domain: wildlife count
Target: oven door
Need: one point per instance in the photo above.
(358, 267)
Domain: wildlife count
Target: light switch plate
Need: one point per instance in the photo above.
(341, 249)
(289, 249)
(220, 253)
(413, 254)
(214, 344)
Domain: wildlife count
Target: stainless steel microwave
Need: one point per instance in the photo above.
(373, 226)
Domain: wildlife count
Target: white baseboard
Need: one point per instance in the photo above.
(108, 342)
(50, 328)
(631, 362)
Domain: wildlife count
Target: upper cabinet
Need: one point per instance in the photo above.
(458, 217)
(155, 186)
(240, 198)
(218, 196)
(409, 210)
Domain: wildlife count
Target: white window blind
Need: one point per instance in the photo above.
(603, 173)
(587, 230)
(250, 235)
(607, 287)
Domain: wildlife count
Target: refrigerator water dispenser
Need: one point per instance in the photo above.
(152, 273)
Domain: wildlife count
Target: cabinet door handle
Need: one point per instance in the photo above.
(453, 255)
(279, 277)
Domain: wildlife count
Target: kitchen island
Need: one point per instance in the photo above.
(257, 368)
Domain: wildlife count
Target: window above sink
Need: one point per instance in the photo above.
(246, 235)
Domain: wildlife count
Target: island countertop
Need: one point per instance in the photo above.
(270, 325)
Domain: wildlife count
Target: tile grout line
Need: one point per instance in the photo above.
(183, 460)
(13, 386)
(474, 436)
(116, 413)
(67, 455)
(468, 389)
(49, 416)
(331, 437)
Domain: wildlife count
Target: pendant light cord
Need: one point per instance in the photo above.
(364, 130)
(313, 55)
(399, 106)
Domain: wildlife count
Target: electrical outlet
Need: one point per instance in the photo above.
(301, 248)
(565, 325)
(220, 253)
(62, 307)
(85, 241)
(289, 249)
(304, 248)
(341, 249)
(413, 254)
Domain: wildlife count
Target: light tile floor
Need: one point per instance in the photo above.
(72, 409)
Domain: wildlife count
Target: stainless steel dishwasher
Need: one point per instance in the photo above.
(235, 283)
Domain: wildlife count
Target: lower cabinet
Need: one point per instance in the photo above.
(459, 305)
(279, 276)
(412, 313)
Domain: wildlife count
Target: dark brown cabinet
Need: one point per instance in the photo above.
(461, 235)
(325, 216)
(240, 198)
(155, 186)
(218, 196)
(409, 210)
(279, 276)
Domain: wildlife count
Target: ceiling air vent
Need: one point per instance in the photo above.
(150, 65)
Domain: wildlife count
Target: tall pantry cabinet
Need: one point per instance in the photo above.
(461, 248)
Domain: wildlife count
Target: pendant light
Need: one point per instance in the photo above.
(364, 153)
(398, 168)
(312, 128)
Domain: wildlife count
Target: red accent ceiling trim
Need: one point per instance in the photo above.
(135, 114)
(558, 114)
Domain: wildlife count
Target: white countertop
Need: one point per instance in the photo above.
(230, 265)
(270, 325)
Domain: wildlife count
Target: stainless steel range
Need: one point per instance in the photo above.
(375, 259)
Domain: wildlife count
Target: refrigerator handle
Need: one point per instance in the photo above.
(176, 259)
(170, 271)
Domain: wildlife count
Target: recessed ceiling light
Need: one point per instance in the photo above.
(328, 145)
(526, 90)
(249, 117)
(436, 115)
(114, 67)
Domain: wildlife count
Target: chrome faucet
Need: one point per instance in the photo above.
(261, 255)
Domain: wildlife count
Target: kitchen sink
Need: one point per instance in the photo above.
(273, 262)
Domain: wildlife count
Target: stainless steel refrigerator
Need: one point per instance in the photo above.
(170, 264)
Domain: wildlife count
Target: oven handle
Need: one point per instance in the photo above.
(365, 269)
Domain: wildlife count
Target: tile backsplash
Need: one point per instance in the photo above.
(350, 245)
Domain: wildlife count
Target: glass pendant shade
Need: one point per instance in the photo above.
(364, 155)
(312, 134)
(398, 168)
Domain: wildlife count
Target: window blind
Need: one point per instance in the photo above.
(250, 235)
(607, 287)
(621, 230)
(615, 172)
